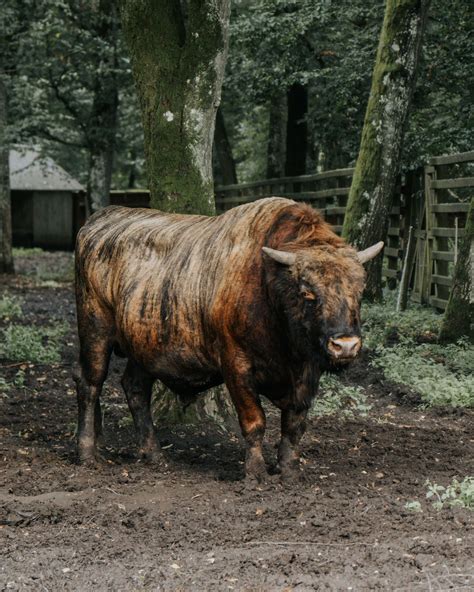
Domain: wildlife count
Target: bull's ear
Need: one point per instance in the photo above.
(370, 253)
(283, 257)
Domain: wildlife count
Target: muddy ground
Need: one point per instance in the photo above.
(125, 526)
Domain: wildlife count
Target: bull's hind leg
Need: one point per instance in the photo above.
(95, 335)
(137, 384)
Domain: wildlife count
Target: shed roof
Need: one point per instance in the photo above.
(29, 170)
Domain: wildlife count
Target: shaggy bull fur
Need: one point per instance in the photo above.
(194, 302)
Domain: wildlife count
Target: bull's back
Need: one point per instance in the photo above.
(173, 282)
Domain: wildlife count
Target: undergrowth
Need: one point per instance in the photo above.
(33, 344)
(406, 349)
(457, 494)
(337, 398)
(10, 307)
(18, 381)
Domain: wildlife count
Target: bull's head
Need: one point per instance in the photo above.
(321, 288)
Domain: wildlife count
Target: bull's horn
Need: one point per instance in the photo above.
(370, 253)
(281, 256)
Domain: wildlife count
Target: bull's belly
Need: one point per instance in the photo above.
(187, 386)
(185, 371)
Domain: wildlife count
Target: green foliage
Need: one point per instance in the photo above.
(10, 307)
(64, 60)
(125, 422)
(331, 47)
(382, 322)
(458, 494)
(413, 506)
(18, 381)
(46, 273)
(441, 374)
(436, 383)
(335, 397)
(31, 343)
(26, 251)
(248, 133)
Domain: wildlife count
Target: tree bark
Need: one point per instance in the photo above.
(6, 257)
(393, 82)
(296, 130)
(178, 54)
(276, 147)
(223, 148)
(459, 315)
(103, 128)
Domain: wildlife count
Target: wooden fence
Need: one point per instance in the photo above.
(438, 214)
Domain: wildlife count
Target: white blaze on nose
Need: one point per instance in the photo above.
(344, 347)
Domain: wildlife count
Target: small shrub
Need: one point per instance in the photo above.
(26, 251)
(18, 381)
(382, 322)
(457, 357)
(33, 344)
(458, 494)
(436, 384)
(406, 350)
(125, 422)
(413, 506)
(50, 276)
(10, 307)
(335, 397)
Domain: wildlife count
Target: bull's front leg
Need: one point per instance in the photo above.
(293, 426)
(251, 418)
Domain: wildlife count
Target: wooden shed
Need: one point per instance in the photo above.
(45, 201)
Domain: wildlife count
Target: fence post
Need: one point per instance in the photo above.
(429, 176)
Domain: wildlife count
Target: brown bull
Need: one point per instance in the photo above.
(264, 298)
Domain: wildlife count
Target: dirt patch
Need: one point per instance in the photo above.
(195, 525)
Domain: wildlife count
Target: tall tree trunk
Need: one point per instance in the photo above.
(178, 53)
(276, 147)
(459, 316)
(6, 258)
(296, 130)
(101, 140)
(378, 163)
(224, 151)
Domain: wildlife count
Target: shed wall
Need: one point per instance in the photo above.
(53, 219)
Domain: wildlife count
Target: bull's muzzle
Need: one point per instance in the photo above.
(344, 348)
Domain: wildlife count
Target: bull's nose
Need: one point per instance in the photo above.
(344, 347)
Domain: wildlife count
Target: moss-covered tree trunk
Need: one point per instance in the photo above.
(178, 53)
(459, 315)
(378, 163)
(6, 258)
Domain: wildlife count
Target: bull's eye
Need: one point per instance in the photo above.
(307, 294)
